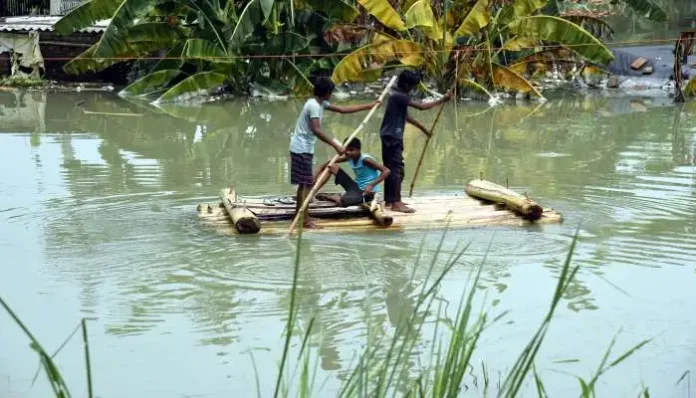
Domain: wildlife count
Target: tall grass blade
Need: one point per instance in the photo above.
(291, 311)
(256, 375)
(58, 385)
(513, 381)
(541, 391)
(306, 337)
(88, 362)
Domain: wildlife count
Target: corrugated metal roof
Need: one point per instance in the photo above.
(42, 24)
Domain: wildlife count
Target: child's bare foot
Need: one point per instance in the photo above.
(400, 207)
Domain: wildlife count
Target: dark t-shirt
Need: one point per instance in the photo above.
(395, 115)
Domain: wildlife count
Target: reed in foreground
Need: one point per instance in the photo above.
(385, 366)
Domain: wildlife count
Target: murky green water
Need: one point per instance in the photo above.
(98, 219)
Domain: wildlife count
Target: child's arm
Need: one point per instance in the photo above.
(316, 129)
(418, 124)
(352, 108)
(384, 173)
(423, 106)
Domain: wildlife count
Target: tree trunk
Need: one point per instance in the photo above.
(512, 200)
(243, 219)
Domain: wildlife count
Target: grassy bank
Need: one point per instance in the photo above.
(409, 361)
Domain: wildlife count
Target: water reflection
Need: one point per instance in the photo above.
(118, 216)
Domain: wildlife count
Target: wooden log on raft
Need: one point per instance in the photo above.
(378, 214)
(243, 219)
(520, 204)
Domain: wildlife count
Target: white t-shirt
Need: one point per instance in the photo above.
(303, 138)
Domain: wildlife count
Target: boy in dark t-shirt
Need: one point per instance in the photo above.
(392, 135)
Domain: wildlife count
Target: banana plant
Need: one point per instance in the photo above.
(474, 42)
(201, 44)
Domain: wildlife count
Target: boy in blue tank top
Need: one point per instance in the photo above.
(368, 175)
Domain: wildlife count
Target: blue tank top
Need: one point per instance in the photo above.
(364, 174)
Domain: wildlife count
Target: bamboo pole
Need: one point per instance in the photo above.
(324, 173)
(378, 214)
(243, 219)
(520, 204)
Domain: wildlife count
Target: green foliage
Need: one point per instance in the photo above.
(276, 43)
(467, 42)
(563, 32)
(149, 83)
(202, 81)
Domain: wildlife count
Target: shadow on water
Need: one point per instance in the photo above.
(119, 218)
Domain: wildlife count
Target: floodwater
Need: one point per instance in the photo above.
(97, 219)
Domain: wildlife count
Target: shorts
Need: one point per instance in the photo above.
(301, 169)
(354, 196)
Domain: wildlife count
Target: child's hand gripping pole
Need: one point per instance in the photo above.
(323, 174)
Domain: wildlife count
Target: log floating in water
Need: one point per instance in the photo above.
(512, 200)
(243, 219)
(378, 214)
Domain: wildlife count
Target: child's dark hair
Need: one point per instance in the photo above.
(354, 143)
(408, 80)
(323, 86)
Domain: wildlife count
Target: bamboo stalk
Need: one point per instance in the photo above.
(243, 219)
(377, 212)
(324, 173)
(514, 201)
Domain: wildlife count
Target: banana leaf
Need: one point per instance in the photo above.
(204, 49)
(266, 8)
(365, 64)
(86, 15)
(114, 39)
(477, 18)
(173, 59)
(285, 43)
(150, 82)
(519, 44)
(89, 62)
(648, 8)
(525, 8)
(546, 57)
(566, 33)
(335, 9)
(507, 79)
(155, 31)
(474, 86)
(250, 16)
(421, 15)
(385, 13)
(594, 25)
(200, 82)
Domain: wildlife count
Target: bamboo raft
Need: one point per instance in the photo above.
(484, 204)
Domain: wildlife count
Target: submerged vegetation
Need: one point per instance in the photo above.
(404, 362)
(189, 46)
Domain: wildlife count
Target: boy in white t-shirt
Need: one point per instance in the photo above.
(307, 130)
